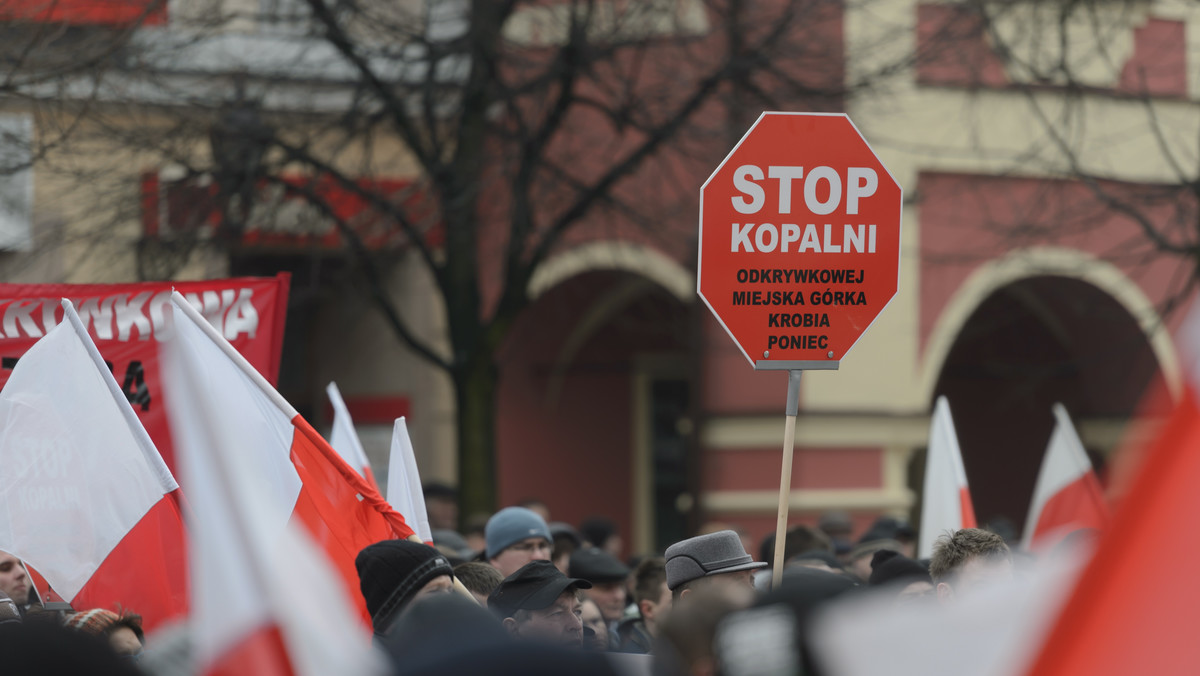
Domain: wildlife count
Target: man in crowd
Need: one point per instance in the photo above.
(479, 578)
(966, 560)
(515, 536)
(441, 505)
(539, 603)
(394, 573)
(707, 560)
(566, 541)
(14, 580)
(607, 577)
(636, 634)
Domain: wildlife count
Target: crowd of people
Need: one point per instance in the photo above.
(522, 594)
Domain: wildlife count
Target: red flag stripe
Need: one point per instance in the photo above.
(968, 509)
(146, 572)
(262, 652)
(1080, 504)
(1129, 614)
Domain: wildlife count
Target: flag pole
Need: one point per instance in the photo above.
(785, 473)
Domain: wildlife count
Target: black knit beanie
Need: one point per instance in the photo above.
(888, 566)
(391, 572)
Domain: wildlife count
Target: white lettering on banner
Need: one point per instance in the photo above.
(766, 238)
(97, 311)
(860, 183)
(21, 312)
(130, 316)
(124, 316)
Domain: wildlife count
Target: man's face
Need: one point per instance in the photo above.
(977, 573)
(513, 557)
(13, 579)
(653, 611)
(591, 617)
(442, 512)
(559, 623)
(742, 580)
(609, 597)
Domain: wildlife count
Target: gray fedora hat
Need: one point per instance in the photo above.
(705, 555)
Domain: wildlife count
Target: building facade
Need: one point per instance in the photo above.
(1045, 152)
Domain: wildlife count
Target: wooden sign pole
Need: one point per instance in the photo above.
(785, 474)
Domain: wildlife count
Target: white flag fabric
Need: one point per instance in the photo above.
(301, 477)
(995, 631)
(404, 482)
(263, 602)
(946, 501)
(80, 475)
(1067, 495)
(344, 438)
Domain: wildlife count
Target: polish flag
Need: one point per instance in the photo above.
(345, 441)
(1067, 495)
(261, 598)
(85, 497)
(1133, 610)
(404, 482)
(946, 502)
(289, 460)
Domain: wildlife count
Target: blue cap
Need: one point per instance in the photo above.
(511, 525)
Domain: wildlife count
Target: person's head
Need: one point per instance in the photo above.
(394, 573)
(685, 643)
(705, 560)
(538, 602)
(818, 559)
(566, 541)
(602, 533)
(801, 539)
(968, 559)
(593, 619)
(441, 505)
(536, 506)
(516, 536)
(715, 526)
(909, 579)
(14, 581)
(607, 576)
(479, 578)
(650, 592)
(123, 632)
(858, 561)
(474, 531)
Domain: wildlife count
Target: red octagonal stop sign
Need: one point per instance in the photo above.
(799, 240)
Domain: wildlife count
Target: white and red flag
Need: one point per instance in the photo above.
(1133, 611)
(344, 439)
(404, 482)
(85, 498)
(290, 462)
(263, 602)
(1067, 496)
(946, 502)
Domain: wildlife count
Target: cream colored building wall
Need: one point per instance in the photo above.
(914, 129)
(886, 380)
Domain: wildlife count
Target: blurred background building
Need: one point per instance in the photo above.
(1048, 153)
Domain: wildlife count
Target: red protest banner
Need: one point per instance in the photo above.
(127, 321)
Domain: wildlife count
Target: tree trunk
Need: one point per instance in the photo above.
(475, 386)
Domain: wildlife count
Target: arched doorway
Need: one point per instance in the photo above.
(594, 399)
(1029, 344)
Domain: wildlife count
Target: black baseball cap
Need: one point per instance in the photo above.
(534, 586)
(596, 566)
